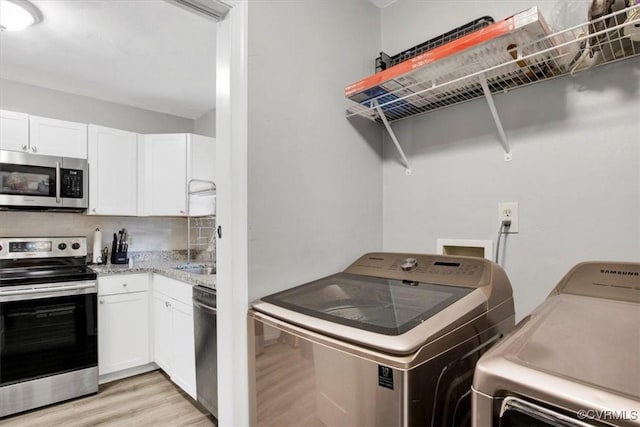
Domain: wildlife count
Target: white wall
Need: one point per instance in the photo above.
(575, 168)
(206, 124)
(314, 183)
(39, 101)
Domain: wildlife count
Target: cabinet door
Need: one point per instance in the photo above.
(183, 364)
(162, 331)
(14, 131)
(165, 187)
(57, 137)
(113, 165)
(124, 331)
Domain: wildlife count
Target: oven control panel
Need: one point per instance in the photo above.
(42, 247)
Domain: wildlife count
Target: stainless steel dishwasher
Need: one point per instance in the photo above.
(206, 342)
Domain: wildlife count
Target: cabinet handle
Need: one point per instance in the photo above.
(124, 284)
(182, 212)
(34, 149)
(25, 148)
(167, 304)
(93, 210)
(101, 301)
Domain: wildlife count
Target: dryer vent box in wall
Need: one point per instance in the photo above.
(464, 247)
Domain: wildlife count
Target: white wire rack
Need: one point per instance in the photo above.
(498, 65)
(200, 228)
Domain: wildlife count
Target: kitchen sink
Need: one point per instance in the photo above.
(196, 269)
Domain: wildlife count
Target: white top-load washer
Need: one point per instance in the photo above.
(392, 340)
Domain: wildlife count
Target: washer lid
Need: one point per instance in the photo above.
(383, 306)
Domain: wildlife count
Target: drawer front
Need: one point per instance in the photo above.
(173, 288)
(123, 283)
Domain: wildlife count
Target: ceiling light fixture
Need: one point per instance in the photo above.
(215, 10)
(18, 14)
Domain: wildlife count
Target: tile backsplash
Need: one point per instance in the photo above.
(146, 233)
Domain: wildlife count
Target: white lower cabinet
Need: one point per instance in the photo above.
(174, 348)
(123, 322)
(162, 336)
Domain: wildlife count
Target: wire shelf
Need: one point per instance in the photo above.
(201, 224)
(524, 55)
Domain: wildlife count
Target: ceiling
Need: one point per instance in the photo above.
(143, 53)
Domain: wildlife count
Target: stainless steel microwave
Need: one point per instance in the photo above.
(33, 181)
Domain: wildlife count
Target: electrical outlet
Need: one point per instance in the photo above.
(508, 211)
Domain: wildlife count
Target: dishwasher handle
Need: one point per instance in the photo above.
(205, 307)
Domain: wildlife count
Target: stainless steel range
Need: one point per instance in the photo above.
(391, 341)
(48, 322)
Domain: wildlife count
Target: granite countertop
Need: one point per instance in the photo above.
(164, 266)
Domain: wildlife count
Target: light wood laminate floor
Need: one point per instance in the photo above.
(149, 399)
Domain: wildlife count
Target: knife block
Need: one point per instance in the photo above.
(119, 258)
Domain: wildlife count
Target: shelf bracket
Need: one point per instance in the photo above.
(496, 118)
(375, 105)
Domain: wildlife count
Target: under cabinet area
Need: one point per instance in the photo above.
(123, 322)
(174, 347)
(113, 171)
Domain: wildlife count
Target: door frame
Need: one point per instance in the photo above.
(231, 216)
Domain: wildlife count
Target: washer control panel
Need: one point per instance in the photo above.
(464, 271)
(409, 264)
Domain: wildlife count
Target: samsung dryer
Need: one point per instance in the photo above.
(574, 361)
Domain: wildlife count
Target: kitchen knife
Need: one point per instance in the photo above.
(114, 247)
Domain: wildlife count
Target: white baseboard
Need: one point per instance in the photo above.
(114, 376)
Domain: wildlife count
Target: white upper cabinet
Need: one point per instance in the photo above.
(113, 172)
(57, 137)
(170, 162)
(165, 171)
(14, 131)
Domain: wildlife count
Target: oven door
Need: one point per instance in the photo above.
(47, 331)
